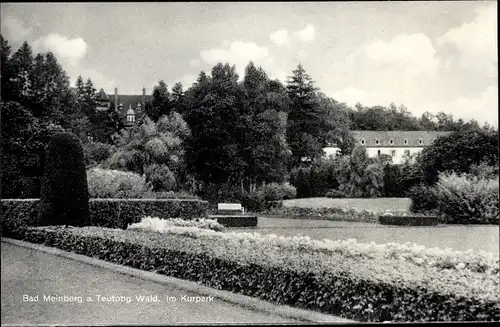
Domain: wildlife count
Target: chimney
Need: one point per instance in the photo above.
(116, 99)
(143, 97)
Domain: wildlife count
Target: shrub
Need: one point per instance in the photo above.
(336, 194)
(290, 192)
(300, 178)
(253, 201)
(160, 177)
(96, 152)
(108, 183)
(65, 195)
(423, 199)
(467, 199)
(273, 192)
(484, 170)
(366, 282)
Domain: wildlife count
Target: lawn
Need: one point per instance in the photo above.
(375, 204)
(457, 237)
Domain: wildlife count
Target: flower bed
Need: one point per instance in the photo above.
(365, 282)
(112, 213)
(161, 225)
(334, 214)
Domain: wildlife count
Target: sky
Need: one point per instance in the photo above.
(428, 56)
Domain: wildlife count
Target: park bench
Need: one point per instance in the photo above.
(230, 207)
(233, 215)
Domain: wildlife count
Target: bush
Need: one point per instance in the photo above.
(65, 195)
(112, 213)
(169, 195)
(483, 170)
(253, 201)
(467, 199)
(300, 178)
(290, 192)
(160, 177)
(273, 192)
(116, 184)
(366, 282)
(423, 199)
(336, 194)
(96, 152)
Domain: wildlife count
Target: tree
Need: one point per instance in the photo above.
(161, 103)
(6, 70)
(21, 65)
(458, 152)
(177, 97)
(213, 112)
(23, 149)
(304, 131)
(263, 128)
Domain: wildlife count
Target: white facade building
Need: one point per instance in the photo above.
(397, 144)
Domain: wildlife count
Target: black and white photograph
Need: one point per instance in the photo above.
(222, 163)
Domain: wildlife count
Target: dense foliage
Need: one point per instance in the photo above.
(365, 282)
(65, 195)
(223, 137)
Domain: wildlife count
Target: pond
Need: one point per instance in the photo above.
(456, 237)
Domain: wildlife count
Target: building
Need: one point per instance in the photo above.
(130, 108)
(397, 144)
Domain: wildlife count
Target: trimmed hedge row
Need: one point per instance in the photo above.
(114, 213)
(409, 220)
(349, 286)
(335, 214)
(236, 221)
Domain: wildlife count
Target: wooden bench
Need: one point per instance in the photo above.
(231, 207)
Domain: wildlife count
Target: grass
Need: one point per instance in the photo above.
(378, 205)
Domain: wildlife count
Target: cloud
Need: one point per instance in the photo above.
(410, 54)
(482, 107)
(280, 37)
(194, 63)
(99, 80)
(15, 29)
(307, 34)
(476, 41)
(71, 51)
(352, 95)
(240, 54)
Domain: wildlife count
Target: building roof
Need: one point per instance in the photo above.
(398, 138)
(128, 101)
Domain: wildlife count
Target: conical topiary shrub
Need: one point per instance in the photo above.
(64, 195)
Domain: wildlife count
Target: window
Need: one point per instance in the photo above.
(362, 141)
(131, 118)
(378, 152)
(420, 141)
(391, 142)
(377, 142)
(406, 141)
(393, 153)
(407, 152)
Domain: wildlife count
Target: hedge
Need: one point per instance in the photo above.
(346, 280)
(409, 220)
(334, 214)
(113, 213)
